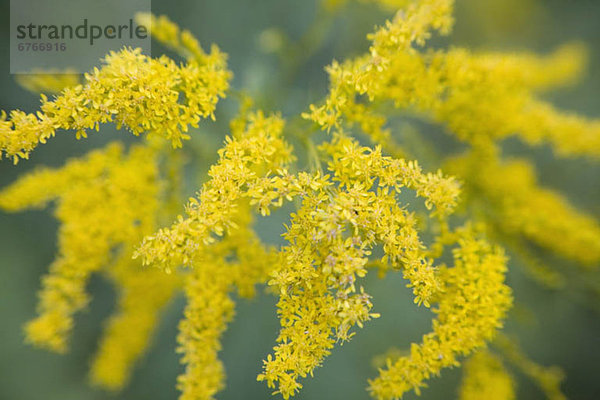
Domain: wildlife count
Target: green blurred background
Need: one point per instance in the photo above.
(566, 327)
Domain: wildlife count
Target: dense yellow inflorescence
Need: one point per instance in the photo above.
(105, 203)
(258, 150)
(354, 207)
(519, 208)
(209, 309)
(131, 90)
(239, 262)
(472, 304)
(482, 99)
(475, 95)
(330, 241)
(485, 377)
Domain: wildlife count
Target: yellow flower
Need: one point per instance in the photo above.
(485, 377)
(351, 208)
(472, 304)
(105, 202)
(259, 150)
(131, 90)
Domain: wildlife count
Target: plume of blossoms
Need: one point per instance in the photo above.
(131, 90)
(480, 99)
(93, 238)
(111, 205)
(486, 377)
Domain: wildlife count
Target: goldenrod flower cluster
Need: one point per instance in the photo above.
(481, 99)
(521, 209)
(106, 203)
(354, 207)
(485, 377)
(239, 262)
(472, 303)
(441, 85)
(131, 90)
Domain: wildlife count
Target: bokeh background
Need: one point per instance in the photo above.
(557, 327)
